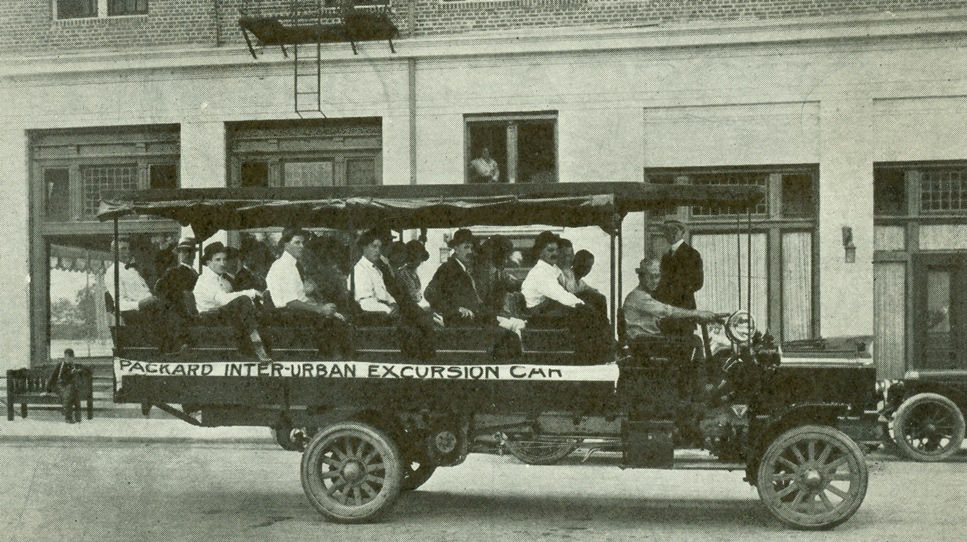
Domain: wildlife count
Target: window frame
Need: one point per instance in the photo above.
(278, 143)
(511, 121)
(771, 222)
(103, 9)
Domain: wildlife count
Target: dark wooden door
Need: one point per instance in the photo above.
(940, 311)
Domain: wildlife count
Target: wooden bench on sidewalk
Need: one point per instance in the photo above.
(29, 387)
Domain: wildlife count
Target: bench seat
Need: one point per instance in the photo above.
(29, 387)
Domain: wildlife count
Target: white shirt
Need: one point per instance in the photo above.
(371, 291)
(542, 282)
(133, 288)
(675, 246)
(284, 283)
(214, 292)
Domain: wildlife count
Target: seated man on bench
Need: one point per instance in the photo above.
(453, 293)
(218, 304)
(643, 313)
(63, 380)
(550, 305)
(286, 285)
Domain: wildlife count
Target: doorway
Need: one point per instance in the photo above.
(940, 312)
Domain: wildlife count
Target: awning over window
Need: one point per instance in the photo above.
(80, 260)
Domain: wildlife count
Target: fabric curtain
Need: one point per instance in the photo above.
(725, 263)
(797, 289)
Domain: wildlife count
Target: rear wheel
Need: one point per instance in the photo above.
(928, 427)
(352, 472)
(812, 477)
(541, 451)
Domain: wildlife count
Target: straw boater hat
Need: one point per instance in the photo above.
(186, 243)
(462, 236)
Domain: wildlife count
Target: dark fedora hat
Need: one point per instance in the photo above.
(416, 252)
(462, 236)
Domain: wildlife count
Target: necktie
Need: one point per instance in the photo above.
(302, 272)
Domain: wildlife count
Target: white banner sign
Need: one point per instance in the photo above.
(369, 370)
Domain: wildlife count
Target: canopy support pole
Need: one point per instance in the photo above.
(612, 311)
(617, 299)
(117, 290)
(748, 263)
(738, 256)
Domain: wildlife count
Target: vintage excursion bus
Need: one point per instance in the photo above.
(380, 421)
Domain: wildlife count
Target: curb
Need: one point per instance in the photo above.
(94, 439)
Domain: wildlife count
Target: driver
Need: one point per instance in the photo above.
(642, 312)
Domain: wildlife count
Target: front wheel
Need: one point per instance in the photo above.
(928, 427)
(541, 451)
(352, 472)
(812, 477)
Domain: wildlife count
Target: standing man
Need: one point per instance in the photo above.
(681, 274)
(293, 307)
(681, 268)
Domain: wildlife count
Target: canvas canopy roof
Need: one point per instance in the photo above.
(419, 206)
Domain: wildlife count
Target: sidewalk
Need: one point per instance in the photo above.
(45, 427)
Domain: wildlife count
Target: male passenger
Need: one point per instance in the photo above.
(134, 295)
(452, 291)
(369, 279)
(218, 304)
(384, 302)
(293, 307)
(643, 312)
(549, 304)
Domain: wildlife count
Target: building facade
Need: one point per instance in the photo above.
(849, 113)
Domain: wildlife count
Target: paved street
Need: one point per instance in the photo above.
(249, 491)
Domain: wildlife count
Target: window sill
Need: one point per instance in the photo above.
(92, 21)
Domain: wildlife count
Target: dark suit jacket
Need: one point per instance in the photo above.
(175, 286)
(245, 279)
(451, 288)
(681, 277)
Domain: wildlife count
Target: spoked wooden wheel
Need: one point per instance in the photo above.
(812, 477)
(541, 451)
(928, 427)
(351, 472)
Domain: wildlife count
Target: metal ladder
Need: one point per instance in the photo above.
(307, 66)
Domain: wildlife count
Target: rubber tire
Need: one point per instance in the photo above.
(314, 485)
(413, 478)
(283, 436)
(804, 521)
(902, 421)
(550, 457)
